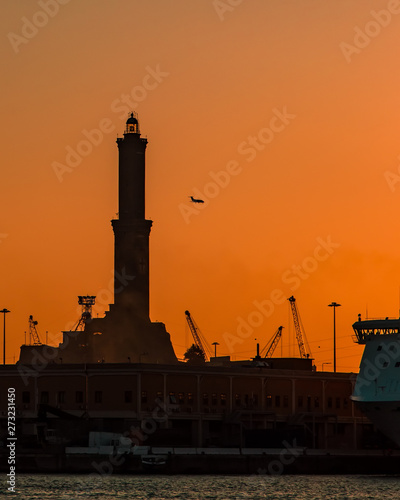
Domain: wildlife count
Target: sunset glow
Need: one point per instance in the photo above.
(283, 116)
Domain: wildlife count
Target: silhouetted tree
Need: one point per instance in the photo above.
(194, 355)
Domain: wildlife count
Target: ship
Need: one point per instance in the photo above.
(377, 388)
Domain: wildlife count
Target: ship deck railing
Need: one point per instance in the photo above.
(375, 327)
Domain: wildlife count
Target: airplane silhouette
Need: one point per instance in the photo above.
(194, 200)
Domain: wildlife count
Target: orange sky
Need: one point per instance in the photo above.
(208, 80)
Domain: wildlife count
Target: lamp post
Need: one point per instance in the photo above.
(4, 311)
(334, 305)
(215, 348)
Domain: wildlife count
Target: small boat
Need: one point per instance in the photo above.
(154, 463)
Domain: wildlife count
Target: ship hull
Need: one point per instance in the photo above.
(385, 416)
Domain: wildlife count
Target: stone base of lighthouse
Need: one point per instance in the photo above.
(118, 338)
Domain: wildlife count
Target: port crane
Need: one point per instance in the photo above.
(33, 333)
(199, 339)
(299, 329)
(271, 345)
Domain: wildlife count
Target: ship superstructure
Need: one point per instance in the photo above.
(377, 389)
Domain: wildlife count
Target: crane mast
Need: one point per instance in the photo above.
(33, 333)
(198, 338)
(271, 345)
(298, 329)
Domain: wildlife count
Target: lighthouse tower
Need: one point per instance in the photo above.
(126, 334)
(132, 229)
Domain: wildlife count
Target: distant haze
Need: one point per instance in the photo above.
(283, 116)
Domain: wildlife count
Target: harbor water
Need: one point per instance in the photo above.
(118, 487)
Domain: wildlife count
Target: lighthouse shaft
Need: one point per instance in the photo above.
(131, 229)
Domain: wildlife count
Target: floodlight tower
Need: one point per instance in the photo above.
(87, 302)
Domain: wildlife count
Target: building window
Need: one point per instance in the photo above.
(330, 402)
(61, 397)
(128, 396)
(159, 395)
(98, 396)
(237, 399)
(286, 401)
(277, 401)
(269, 401)
(44, 397)
(172, 398)
(190, 398)
(181, 397)
(205, 399)
(316, 402)
(144, 397)
(79, 397)
(337, 403)
(300, 402)
(214, 399)
(26, 397)
(345, 403)
(223, 399)
(255, 399)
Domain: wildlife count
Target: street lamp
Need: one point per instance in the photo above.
(4, 311)
(334, 305)
(215, 348)
(326, 363)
